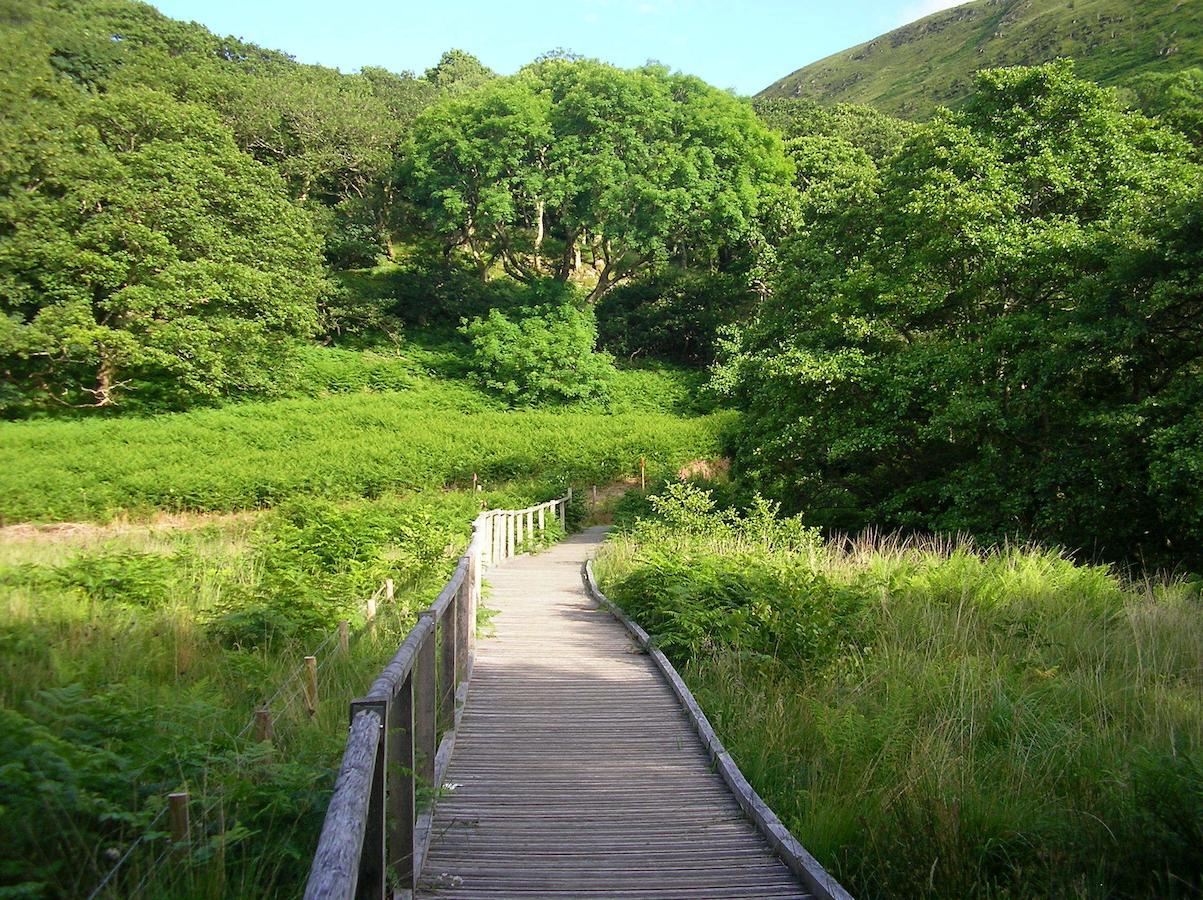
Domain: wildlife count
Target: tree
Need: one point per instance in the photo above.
(626, 167)
(999, 337)
(142, 253)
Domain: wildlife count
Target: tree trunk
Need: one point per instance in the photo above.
(539, 207)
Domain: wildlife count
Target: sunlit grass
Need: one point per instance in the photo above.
(985, 724)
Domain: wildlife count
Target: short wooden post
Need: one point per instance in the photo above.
(475, 483)
(564, 511)
(642, 474)
(311, 684)
(344, 637)
(447, 664)
(518, 518)
(542, 520)
(264, 731)
(373, 859)
(371, 609)
(388, 589)
(181, 828)
(595, 496)
(510, 527)
(425, 709)
(530, 524)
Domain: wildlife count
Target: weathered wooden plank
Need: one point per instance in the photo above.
(576, 770)
(334, 874)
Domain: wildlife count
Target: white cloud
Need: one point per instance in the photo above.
(926, 8)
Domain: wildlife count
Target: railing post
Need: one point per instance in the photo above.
(448, 665)
(511, 529)
(400, 777)
(518, 520)
(311, 685)
(473, 595)
(373, 874)
(563, 504)
(542, 521)
(181, 827)
(426, 709)
(530, 524)
(463, 626)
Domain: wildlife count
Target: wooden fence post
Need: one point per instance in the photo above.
(400, 767)
(564, 511)
(642, 474)
(510, 528)
(263, 725)
(518, 520)
(373, 859)
(311, 684)
(448, 664)
(181, 828)
(542, 521)
(344, 637)
(388, 589)
(426, 709)
(371, 608)
(463, 626)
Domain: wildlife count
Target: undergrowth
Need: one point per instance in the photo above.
(930, 718)
(131, 666)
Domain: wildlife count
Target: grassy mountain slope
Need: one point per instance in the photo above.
(929, 63)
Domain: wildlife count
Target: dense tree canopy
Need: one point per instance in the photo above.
(997, 332)
(622, 167)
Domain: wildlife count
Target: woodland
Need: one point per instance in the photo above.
(271, 333)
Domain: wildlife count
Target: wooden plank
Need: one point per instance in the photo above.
(334, 874)
(576, 771)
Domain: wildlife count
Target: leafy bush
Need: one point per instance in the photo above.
(540, 353)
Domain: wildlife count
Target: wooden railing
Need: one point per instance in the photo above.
(374, 835)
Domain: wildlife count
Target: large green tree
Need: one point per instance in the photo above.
(576, 160)
(997, 332)
(140, 251)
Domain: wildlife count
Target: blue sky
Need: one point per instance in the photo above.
(744, 46)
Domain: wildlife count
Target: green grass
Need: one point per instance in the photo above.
(341, 445)
(937, 721)
(930, 63)
(132, 659)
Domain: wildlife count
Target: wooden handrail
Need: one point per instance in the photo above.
(373, 834)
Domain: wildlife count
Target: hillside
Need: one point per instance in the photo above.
(912, 70)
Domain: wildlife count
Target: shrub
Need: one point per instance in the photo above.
(540, 353)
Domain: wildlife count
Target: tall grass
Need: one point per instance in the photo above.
(936, 720)
(131, 665)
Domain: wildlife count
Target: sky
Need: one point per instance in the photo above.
(743, 46)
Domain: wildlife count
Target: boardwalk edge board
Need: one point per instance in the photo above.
(782, 841)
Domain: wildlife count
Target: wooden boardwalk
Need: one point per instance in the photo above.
(576, 772)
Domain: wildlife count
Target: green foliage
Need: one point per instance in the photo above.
(914, 70)
(253, 455)
(997, 336)
(932, 720)
(141, 253)
(876, 133)
(1174, 99)
(675, 315)
(131, 667)
(626, 166)
(540, 353)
